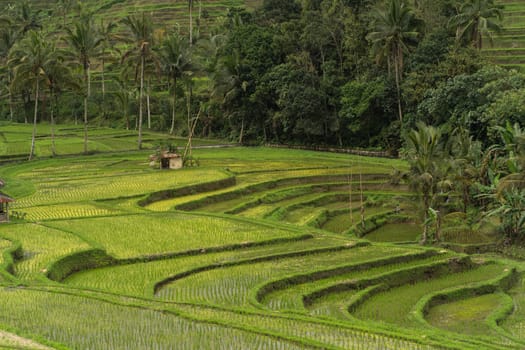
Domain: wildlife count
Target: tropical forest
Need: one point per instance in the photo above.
(262, 174)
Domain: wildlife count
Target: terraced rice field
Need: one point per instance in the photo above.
(258, 248)
(508, 48)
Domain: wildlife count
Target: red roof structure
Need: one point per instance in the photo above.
(5, 199)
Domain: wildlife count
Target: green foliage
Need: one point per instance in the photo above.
(361, 104)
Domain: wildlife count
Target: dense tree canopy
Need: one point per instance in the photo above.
(335, 72)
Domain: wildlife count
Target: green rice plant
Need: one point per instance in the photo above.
(4, 244)
(41, 246)
(515, 323)
(342, 220)
(65, 211)
(233, 286)
(330, 334)
(466, 315)
(381, 308)
(395, 232)
(143, 235)
(140, 279)
(85, 323)
(10, 340)
(292, 297)
(103, 187)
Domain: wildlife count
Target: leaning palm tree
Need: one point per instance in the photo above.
(141, 28)
(176, 63)
(477, 19)
(31, 59)
(84, 42)
(395, 30)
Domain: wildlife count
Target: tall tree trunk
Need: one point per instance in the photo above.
(141, 97)
(148, 109)
(426, 206)
(174, 104)
(190, 5)
(103, 80)
(33, 137)
(52, 106)
(397, 64)
(26, 104)
(241, 134)
(11, 112)
(85, 124)
(86, 96)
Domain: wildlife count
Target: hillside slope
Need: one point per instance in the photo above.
(508, 49)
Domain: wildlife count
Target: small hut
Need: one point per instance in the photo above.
(170, 161)
(167, 160)
(4, 207)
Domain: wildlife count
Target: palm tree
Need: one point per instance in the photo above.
(176, 63)
(8, 37)
(141, 27)
(84, 42)
(476, 19)
(64, 6)
(423, 149)
(230, 86)
(31, 59)
(190, 9)
(26, 19)
(513, 137)
(124, 95)
(59, 76)
(510, 207)
(107, 37)
(395, 30)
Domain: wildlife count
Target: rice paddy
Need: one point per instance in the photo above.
(255, 249)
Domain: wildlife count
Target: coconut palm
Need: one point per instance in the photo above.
(64, 6)
(190, 10)
(84, 42)
(176, 63)
(477, 19)
(59, 76)
(513, 137)
(31, 58)
(141, 28)
(395, 30)
(8, 37)
(230, 86)
(424, 155)
(106, 46)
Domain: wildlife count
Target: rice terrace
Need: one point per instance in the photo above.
(262, 174)
(254, 249)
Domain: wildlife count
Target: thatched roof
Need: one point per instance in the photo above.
(170, 155)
